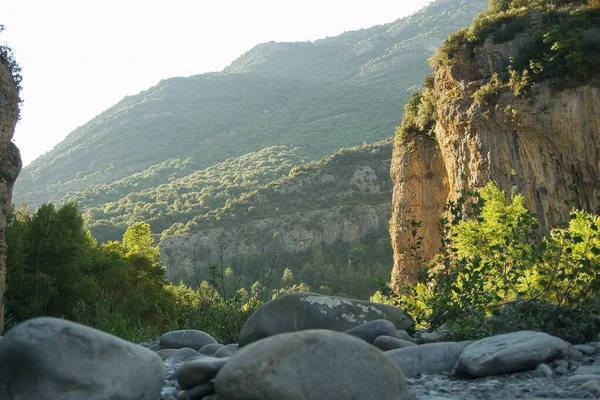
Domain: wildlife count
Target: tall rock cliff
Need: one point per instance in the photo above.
(483, 117)
(10, 161)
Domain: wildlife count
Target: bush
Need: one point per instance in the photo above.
(497, 256)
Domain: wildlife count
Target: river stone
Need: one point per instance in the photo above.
(311, 364)
(225, 351)
(210, 349)
(303, 310)
(199, 371)
(385, 343)
(185, 338)
(182, 355)
(372, 330)
(510, 352)
(432, 358)
(50, 358)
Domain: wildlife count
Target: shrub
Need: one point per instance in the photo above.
(496, 256)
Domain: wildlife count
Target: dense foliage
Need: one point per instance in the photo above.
(7, 58)
(316, 185)
(496, 273)
(56, 268)
(557, 42)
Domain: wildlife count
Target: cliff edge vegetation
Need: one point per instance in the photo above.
(514, 100)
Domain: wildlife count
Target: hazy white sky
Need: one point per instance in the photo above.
(80, 57)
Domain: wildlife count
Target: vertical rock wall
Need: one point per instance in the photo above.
(545, 145)
(10, 164)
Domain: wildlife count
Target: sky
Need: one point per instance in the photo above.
(79, 58)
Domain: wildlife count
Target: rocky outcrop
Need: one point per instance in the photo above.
(545, 145)
(10, 162)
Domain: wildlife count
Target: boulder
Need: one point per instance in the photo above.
(182, 355)
(50, 358)
(302, 310)
(385, 343)
(225, 351)
(198, 372)
(210, 349)
(372, 330)
(428, 359)
(311, 364)
(185, 338)
(510, 352)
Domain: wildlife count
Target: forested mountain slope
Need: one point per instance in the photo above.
(327, 219)
(315, 97)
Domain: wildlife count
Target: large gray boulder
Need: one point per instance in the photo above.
(312, 364)
(49, 358)
(303, 310)
(428, 359)
(510, 352)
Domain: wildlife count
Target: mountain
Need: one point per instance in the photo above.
(312, 98)
(327, 219)
(514, 99)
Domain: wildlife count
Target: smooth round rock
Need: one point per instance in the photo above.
(372, 330)
(510, 352)
(428, 359)
(312, 364)
(385, 343)
(210, 349)
(225, 351)
(185, 338)
(50, 358)
(199, 371)
(182, 355)
(303, 310)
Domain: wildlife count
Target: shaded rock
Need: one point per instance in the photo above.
(302, 310)
(372, 330)
(225, 351)
(592, 387)
(154, 346)
(50, 358)
(312, 364)
(510, 352)
(432, 358)
(586, 349)
(582, 378)
(197, 372)
(543, 371)
(385, 343)
(210, 349)
(197, 392)
(182, 355)
(588, 370)
(439, 335)
(165, 353)
(185, 338)
(402, 334)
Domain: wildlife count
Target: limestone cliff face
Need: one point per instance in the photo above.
(538, 145)
(10, 162)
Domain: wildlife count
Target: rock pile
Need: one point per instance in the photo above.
(49, 358)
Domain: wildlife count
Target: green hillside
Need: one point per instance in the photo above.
(311, 97)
